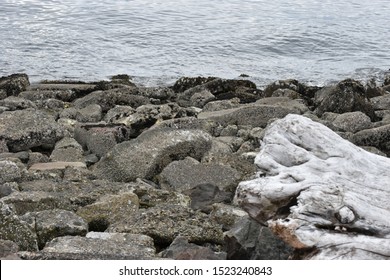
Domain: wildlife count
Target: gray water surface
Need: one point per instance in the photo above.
(160, 40)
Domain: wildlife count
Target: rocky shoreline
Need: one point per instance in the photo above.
(112, 170)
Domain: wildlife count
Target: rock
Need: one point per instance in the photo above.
(14, 84)
(109, 209)
(381, 102)
(292, 85)
(201, 98)
(3, 146)
(221, 105)
(90, 113)
(185, 83)
(226, 215)
(165, 222)
(346, 96)
(247, 240)
(8, 188)
(9, 171)
(109, 98)
(285, 92)
(8, 250)
(255, 115)
(68, 150)
(149, 153)
(117, 114)
(13, 229)
(49, 224)
(352, 122)
(180, 249)
(56, 165)
(99, 138)
(319, 192)
(97, 246)
(188, 173)
(14, 103)
(378, 137)
(25, 129)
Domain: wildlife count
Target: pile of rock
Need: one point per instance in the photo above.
(111, 170)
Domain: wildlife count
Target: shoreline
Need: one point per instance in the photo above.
(88, 164)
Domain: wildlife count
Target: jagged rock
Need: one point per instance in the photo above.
(8, 250)
(188, 173)
(9, 171)
(25, 129)
(49, 224)
(346, 96)
(165, 222)
(319, 192)
(68, 150)
(248, 240)
(14, 84)
(378, 137)
(13, 229)
(185, 83)
(99, 138)
(14, 103)
(96, 246)
(109, 98)
(149, 153)
(255, 115)
(181, 249)
(352, 122)
(109, 209)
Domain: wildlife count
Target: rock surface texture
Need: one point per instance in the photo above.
(319, 192)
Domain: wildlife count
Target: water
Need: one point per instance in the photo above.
(157, 41)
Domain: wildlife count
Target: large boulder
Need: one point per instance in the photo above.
(13, 229)
(319, 192)
(96, 246)
(25, 129)
(14, 84)
(346, 96)
(378, 137)
(149, 153)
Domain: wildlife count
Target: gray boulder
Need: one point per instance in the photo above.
(346, 96)
(25, 129)
(67, 149)
(248, 240)
(14, 84)
(9, 171)
(352, 122)
(8, 250)
(49, 224)
(186, 174)
(181, 249)
(13, 229)
(165, 222)
(149, 153)
(381, 102)
(378, 137)
(90, 113)
(96, 246)
(14, 103)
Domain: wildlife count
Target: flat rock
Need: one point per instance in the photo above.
(25, 129)
(319, 192)
(56, 165)
(97, 246)
(149, 153)
(67, 150)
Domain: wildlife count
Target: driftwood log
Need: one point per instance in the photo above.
(319, 192)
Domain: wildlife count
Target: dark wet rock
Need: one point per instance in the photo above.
(378, 137)
(9, 171)
(289, 84)
(50, 224)
(381, 102)
(90, 113)
(181, 249)
(8, 250)
(144, 158)
(109, 209)
(372, 90)
(165, 222)
(67, 149)
(14, 84)
(109, 98)
(248, 240)
(99, 138)
(185, 83)
(14, 103)
(346, 96)
(255, 115)
(352, 122)
(159, 94)
(96, 246)
(25, 129)
(188, 173)
(13, 229)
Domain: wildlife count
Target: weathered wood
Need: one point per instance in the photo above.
(318, 191)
